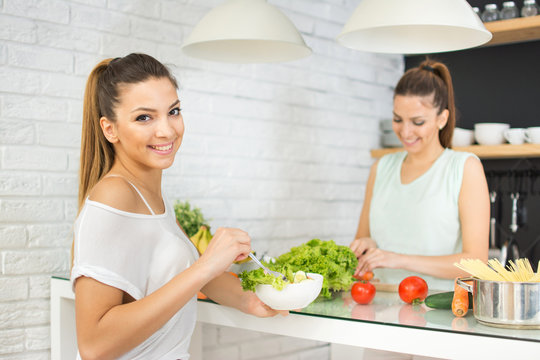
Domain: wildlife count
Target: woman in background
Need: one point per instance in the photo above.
(427, 207)
(135, 272)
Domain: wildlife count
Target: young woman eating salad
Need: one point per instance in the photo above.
(135, 273)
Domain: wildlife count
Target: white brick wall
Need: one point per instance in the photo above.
(281, 150)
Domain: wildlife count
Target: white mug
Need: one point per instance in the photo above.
(462, 137)
(515, 136)
(532, 135)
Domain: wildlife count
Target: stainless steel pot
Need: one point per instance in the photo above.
(505, 303)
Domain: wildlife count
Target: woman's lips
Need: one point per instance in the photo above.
(410, 143)
(162, 149)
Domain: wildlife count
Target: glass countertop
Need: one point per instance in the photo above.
(388, 309)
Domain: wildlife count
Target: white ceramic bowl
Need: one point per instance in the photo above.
(490, 133)
(293, 296)
(462, 137)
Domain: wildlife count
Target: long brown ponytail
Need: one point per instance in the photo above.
(432, 78)
(97, 154)
(100, 98)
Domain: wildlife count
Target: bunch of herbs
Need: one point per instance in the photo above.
(190, 219)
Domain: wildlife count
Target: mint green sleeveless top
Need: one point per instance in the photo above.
(419, 218)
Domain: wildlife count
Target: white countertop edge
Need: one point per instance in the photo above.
(425, 342)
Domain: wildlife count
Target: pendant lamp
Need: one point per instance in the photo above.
(413, 27)
(246, 31)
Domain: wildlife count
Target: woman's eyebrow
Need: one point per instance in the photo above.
(175, 103)
(412, 118)
(142, 108)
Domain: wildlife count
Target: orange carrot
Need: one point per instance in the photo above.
(460, 302)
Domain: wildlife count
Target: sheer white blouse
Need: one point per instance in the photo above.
(138, 254)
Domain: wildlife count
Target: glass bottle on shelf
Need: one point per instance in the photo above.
(509, 10)
(490, 13)
(529, 8)
(477, 10)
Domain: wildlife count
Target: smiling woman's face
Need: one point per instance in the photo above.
(416, 122)
(149, 127)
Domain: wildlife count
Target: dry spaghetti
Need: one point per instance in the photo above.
(519, 271)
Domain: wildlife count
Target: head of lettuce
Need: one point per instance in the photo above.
(336, 263)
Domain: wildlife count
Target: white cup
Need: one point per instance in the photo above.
(532, 135)
(515, 136)
(462, 137)
(490, 133)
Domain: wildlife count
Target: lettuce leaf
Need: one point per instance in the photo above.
(336, 263)
(250, 279)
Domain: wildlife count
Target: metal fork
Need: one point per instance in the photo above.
(267, 270)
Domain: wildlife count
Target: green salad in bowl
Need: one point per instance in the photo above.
(325, 261)
(293, 295)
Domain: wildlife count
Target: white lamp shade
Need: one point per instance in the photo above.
(413, 27)
(246, 31)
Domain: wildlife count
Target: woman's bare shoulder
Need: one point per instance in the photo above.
(115, 192)
(474, 183)
(473, 167)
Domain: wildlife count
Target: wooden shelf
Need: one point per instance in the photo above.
(514, 30)
(483, 151)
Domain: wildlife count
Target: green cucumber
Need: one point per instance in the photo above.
(440, 300)
(443, 300)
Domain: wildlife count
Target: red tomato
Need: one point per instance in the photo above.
(363, 292)
(368, 275)
(413, 289)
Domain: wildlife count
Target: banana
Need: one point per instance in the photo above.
(195, 239)
(206, 236)
(209, 234)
